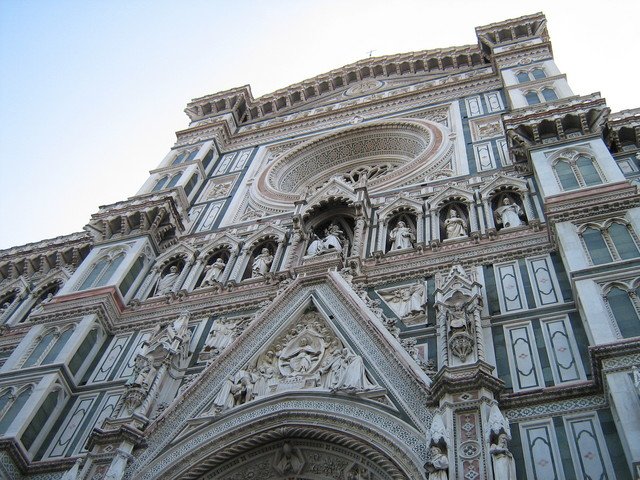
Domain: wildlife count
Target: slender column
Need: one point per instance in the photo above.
(277, 256)
(435, 228)
(194, 274)
(356, 250)
(420, 228)
(528, 210)
(147, 284)
(473, 219)
(488, 213)
(382, 235)
(239, 264)
(292, 255)
(185, 271)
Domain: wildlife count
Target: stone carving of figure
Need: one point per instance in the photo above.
(332, 238)
(316, 247)
(457, 317)
(143, 373)
(346, 372)
(213, 272)
(504, 467)
(222, 334)
(636, 379)
(263, 380)
(401, 237)
(234, 393)
(438, 464)
(300, 359)
(508, 214)
(455, 226)
(166, 282)
(406, 302)
(288, 460)
(261, 263)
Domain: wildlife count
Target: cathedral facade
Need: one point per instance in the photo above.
(418, 266)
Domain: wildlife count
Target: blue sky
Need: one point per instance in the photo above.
(91, 92)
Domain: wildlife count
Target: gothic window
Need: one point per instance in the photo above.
(44, 416)
(160, 184)
(132, 275)
(174, 180)
(82, 354)
(190, 184)
(623, 304)
(577, 172)
(47, 347)
(549, 94)
(522, 77)
(206, 161)
(538, 74)
(12, 404)
(605, 245)
(532, 97)
(101, 271)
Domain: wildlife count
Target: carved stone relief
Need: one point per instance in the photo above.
(408, 302)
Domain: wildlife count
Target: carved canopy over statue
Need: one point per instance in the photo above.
(307, 356)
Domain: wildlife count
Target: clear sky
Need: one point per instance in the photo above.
(91, 92)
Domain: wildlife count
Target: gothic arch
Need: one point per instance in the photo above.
(362, 428)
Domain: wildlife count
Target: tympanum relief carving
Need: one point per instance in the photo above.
(308, 356)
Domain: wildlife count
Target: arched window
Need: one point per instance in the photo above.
(174, 180)
(532, 97)
(549, 94)
(624, 310)
(522, 77)
(132, 275)
(609, 244)
(577, 173)
(206, 161)
(102, 271)
(190, 184)
(596, 246)
(14, 407)
(179, 158)
(160, 184)
(40, 419)
(538, 73)
(48, 347)
(588, 171)
(82, 354)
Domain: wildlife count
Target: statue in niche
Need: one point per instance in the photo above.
(438, 464)
(333, 241)
(143, 373)
(289, 460)
(504, 466)
(167, 281)
(508, 214)
(213, 272)
(401, 237)
(455, 227)
(261, 264)
(406, 302)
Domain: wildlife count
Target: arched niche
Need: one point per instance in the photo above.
(508, 209)
(259, 263)
(327, 223)
(401, 232)
(169, 273)
(454, 220)
(213, 269)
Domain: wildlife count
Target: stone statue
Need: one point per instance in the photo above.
(289, 460)
(455, 226)
(166, 282)
(346, 372)
(636, 379)
(300, 358)
(222, 334)
(332, 238)
(508, 214)
(504, 467)
(438, 464)
(457, 317)
(406, 302)
(261, 264)
(213, 272)
(316, 246)
(233, 393)
(401, 237)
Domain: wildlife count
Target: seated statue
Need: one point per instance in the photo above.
(213, 271)
(508, 214)
(401, 237)
(455, 226)
(261, 264)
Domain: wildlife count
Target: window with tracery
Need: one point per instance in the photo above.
(527, 76)
(547, 94)
(625, 308)
(577, 172)
(11, 402)
(607, 244)
(47, 346)
(102, 270)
